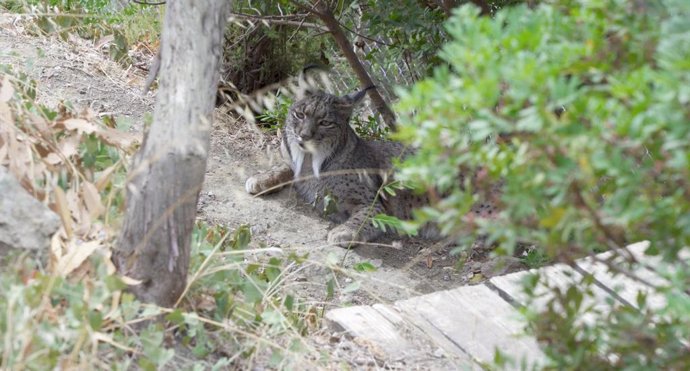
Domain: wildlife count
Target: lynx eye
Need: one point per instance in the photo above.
(326, 123)
(298, 115)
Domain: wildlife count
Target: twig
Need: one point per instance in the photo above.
(143, 2)
(281, 21)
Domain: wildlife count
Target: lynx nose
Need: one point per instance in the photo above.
(304, 136)
(304, 132)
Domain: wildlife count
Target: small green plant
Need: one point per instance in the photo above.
(273, 119)
(369, 128)
(534, 258)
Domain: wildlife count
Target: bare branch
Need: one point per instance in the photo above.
(327, 17)
(296, 20)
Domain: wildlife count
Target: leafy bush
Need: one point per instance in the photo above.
(580, 110)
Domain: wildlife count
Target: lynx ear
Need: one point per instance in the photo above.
(357, 97)
(306, 84)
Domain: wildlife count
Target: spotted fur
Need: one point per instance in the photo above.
(328, 160)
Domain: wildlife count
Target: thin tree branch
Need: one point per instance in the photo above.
(327, 17)
(295, 21)
(615, 238)
(362, 35)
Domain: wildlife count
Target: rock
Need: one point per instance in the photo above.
(500, 265)
(257, 229)
(25, 223)
(361, 361)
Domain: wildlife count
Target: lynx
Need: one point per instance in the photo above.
(329, 161)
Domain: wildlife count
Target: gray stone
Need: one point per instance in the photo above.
(500, 265)
(25, 223)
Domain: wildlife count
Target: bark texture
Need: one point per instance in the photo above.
(168, 171)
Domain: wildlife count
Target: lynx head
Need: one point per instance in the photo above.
(318, 124)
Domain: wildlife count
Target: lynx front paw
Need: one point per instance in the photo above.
(342, 236)
(252, 185)
(270, 181)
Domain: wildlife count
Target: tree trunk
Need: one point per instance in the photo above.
(326, 16)
(168, 171)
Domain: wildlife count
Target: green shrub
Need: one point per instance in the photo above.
(581, 110)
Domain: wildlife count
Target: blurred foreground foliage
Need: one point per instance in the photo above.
(67, 308)
(580, 110)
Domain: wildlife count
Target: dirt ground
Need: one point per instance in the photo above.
(79, 73)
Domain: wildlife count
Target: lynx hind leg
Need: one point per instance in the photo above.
(357, 229)
(271, 181)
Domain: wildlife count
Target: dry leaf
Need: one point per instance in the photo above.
(3, 151)
(69, 145)
(81, 126)
(129, 281)
(81, 215)
(429, 261)
(39, 169)
(104, 40)
(5, 115)
(104, 177)
(206, 303)
(63, 210)
(6, 90)
(56, 249)
(52, 159)
(92, 200)
(74, 204)
(41, 125)
(75, 256)
(118, 138)
(108, 260)
(114, 305)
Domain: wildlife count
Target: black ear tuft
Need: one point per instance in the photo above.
(313, 66)
(357, 97)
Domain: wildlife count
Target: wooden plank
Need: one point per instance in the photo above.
(436, 337)
(655, 263)
(625, 287)
(387, 335)
(472, 320)
(368, 323)
(423, 343)
(559, 276)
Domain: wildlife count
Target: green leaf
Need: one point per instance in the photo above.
(289, 302)
(364, 266)
(330, 289)
(175, 317)
(241, 237)
(353, 286)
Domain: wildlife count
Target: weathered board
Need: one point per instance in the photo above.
(466, 325)
(365, 321)
(472, 320)
(623, 287)
(561, 276)
(385, 333)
